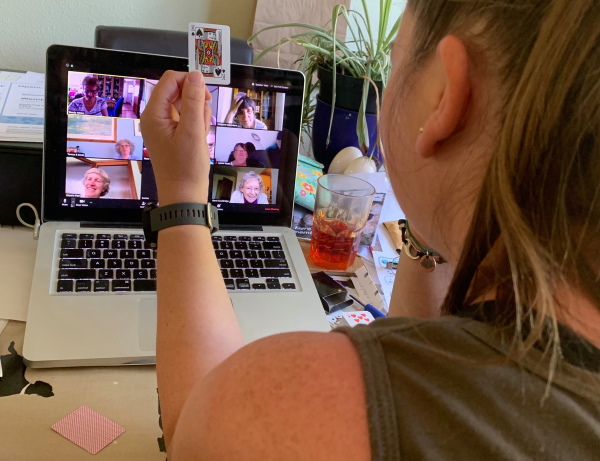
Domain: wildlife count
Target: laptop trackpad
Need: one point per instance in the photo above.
(147, 324)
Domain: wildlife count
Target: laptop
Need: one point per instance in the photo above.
(93, 299)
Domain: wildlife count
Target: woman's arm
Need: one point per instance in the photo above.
(236, 197)
(268, 399)
(235, 105)
(197, 328)
(279, 398)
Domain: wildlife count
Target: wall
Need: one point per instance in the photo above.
(28, 27)
(315, 12)
(398, 7)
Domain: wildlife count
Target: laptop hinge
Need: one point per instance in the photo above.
(230, 227)
(112, 225)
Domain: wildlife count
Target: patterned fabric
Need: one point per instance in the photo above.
(307, 174)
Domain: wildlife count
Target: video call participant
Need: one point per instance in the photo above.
(124, 149)
(249, 190)
(83, 83)
(210, 140)
(244, 109)
(90, 104)
(239, 156)
(96, 183)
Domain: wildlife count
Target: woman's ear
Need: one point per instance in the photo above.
(449, 78)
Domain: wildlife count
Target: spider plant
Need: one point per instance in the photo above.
(365, 55)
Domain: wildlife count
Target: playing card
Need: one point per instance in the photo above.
(209, 52)
(88, 429)
(334, 319)
(351, 319)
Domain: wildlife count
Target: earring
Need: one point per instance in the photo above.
(421, 130)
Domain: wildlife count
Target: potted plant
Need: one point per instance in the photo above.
(336, 69)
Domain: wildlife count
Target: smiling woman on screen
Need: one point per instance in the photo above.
(244, 109)
(249, 190)
(96, 183)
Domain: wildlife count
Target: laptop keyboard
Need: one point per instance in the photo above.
(109, 263)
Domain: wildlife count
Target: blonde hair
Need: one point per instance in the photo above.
(540, 199)
(105, 179)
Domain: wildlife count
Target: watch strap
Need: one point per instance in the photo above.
(178, 214)
(156, 218)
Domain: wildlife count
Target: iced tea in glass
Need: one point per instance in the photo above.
(341, 211)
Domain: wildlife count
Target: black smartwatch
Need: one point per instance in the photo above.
(177, 214)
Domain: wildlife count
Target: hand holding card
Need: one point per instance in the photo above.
(209, 52)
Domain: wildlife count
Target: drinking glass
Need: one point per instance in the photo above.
(341, 211)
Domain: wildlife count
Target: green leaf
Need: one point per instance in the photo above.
(365, 54)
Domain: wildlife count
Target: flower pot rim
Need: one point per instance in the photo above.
(348, 76)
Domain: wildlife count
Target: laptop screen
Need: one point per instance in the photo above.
(97, 168)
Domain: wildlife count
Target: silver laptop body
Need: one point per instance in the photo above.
(119, 328)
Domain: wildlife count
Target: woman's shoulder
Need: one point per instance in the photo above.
(276, 394)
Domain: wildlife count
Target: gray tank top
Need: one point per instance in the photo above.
(444, 389)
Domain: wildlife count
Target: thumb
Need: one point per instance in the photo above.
(193, 98)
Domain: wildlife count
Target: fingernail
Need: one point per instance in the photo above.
(195, 77)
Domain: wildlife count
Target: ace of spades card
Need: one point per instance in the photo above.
(209, 52)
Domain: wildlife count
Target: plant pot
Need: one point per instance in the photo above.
(343, 133)
(348, 91)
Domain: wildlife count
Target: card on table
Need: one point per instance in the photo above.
(209, 52)
(349, 319)
(88, 429)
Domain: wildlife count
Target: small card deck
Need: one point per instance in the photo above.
(209, 52)
(349, 319)
(88, 429)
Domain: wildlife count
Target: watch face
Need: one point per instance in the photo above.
(150, 236)
(213, 214)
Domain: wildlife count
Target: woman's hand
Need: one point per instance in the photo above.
(235, 105)
(175, 123)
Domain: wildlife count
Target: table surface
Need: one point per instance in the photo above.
(125, 395)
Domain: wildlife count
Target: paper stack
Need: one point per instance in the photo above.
(21, 107)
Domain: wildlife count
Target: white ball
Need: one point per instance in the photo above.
(343, 158)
